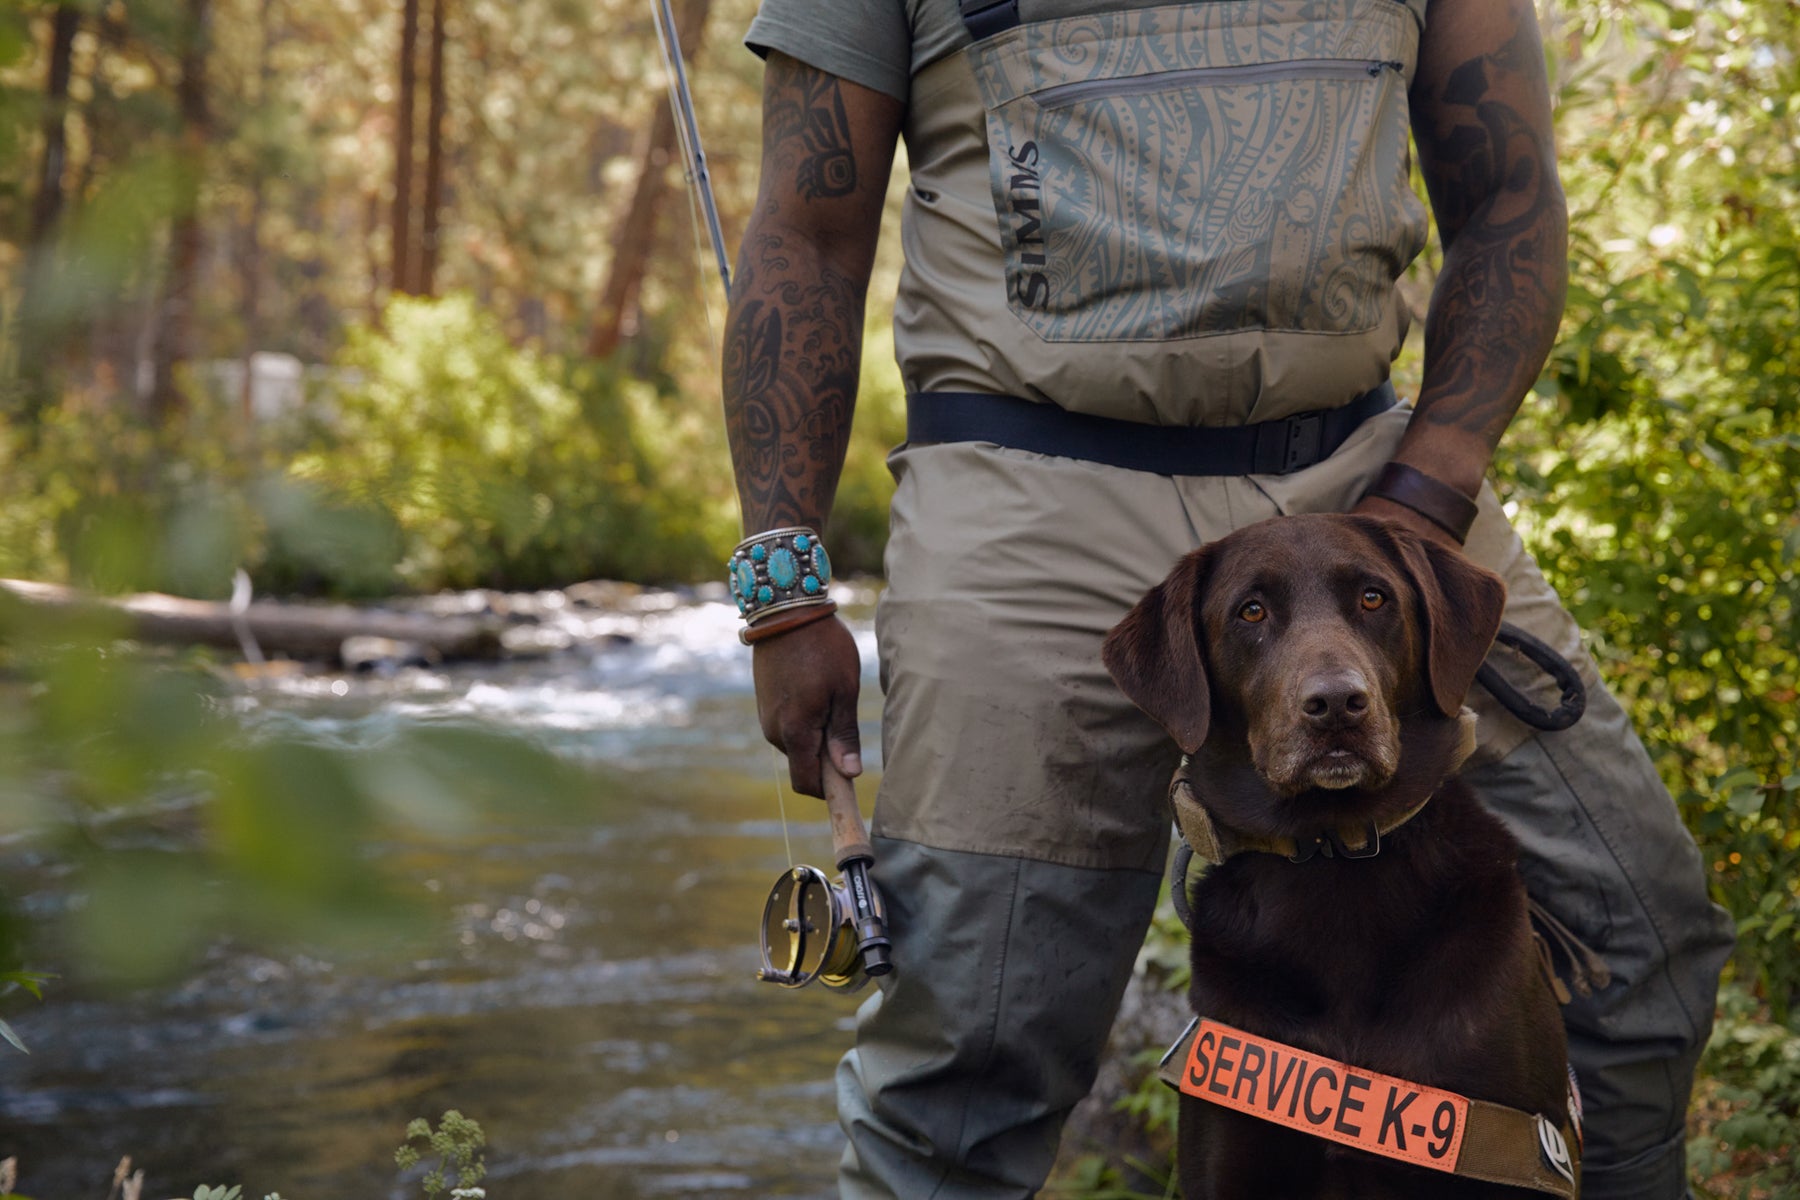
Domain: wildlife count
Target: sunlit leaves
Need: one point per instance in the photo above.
(1657, 478)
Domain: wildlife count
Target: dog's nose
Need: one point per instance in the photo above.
(1335, 700)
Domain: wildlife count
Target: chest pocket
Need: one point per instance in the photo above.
(1201, 169)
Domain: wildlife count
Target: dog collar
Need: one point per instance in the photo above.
(1213, 842)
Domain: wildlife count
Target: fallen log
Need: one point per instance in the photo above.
(316, 633)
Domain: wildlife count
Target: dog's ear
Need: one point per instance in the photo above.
(1155, 659)
(1459, 612)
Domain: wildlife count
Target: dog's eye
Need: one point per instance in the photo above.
(1253, 611)
(1372, 599)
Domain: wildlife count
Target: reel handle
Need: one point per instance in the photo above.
(854, 857)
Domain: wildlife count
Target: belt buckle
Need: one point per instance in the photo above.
(1305, 440)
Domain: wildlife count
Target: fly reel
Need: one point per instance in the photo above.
(834, 931)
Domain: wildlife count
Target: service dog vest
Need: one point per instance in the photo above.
(1192, 215)
(1394, 1118)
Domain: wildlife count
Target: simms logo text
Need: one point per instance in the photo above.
(1026, 192)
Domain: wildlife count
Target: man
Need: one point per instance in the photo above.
(1096, 251)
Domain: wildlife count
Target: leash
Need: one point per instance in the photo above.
(1572, 701)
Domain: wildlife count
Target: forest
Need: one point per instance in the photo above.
(382, 297)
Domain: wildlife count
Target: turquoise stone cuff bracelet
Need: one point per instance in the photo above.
(778, 570)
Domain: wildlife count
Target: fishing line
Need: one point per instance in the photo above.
(781, 804)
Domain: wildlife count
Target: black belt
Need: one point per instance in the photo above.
(1265, 448)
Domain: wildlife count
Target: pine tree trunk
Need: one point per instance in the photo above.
(47, 206)
(434, 155)
(174, 343)
(36, 336)
(402, 257)
(252, 264)
(636, 235)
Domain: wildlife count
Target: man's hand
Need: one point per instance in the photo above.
(806, 685)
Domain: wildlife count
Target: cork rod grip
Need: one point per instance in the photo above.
(848, 836)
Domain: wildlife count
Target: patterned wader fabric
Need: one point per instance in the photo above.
(1188, 215)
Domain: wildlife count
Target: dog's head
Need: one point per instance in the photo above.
(1308, 640)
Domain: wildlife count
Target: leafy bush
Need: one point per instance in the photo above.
(500, 466)
(1748, 1107)
(859, 519)
(1657, 477)
(443, 456)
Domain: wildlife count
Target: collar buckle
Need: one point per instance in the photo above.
(1309, 851)
(1331, 845)
(1370, 848)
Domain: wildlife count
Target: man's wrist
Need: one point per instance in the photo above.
(779, 570)
(1444, 506)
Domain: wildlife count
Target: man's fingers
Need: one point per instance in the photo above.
(844, 739)
(806, 686)
(802, 745)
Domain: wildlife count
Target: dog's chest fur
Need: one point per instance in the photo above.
(1407, 963)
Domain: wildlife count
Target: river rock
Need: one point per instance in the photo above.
(380, 655)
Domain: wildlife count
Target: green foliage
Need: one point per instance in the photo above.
(1750, 1104)
(456, 1142)
(28, 981)
(1657, 476)
(178, 826)
(1751, 830)
(1093, 1178)
(859, 517)
(447, 458)
(502, 466)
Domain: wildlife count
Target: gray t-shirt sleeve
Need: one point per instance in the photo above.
(865, 41)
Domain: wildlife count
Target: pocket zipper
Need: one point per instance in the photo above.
(1065, 94)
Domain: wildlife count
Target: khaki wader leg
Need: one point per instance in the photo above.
(1021, 830)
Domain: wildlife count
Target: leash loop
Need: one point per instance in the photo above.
(1178, 883)
(1572, 702)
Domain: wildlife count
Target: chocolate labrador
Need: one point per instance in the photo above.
(1374, 1021)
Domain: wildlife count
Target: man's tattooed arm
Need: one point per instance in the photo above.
(1482, 123)
(793, 339)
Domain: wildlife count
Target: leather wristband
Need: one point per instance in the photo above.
(1432, 499)
(787, 622)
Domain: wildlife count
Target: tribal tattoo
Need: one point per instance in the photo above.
(807, 115)
(793, 353)
(793, 339)
(1485, 146)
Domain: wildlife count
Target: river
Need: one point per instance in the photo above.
(590, 998)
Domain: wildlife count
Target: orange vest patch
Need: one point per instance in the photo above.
(1321, 1096)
